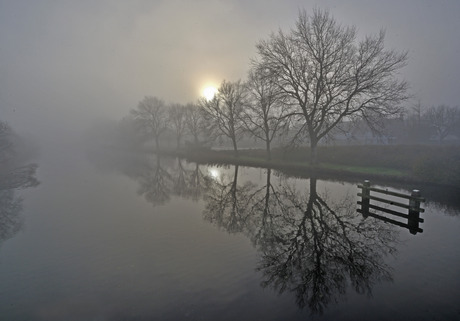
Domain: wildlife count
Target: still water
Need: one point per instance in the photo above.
(110, 236)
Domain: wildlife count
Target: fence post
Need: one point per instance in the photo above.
(365, 199)
(414, 211)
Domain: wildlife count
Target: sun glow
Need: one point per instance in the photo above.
(214, 173)
(209, 92)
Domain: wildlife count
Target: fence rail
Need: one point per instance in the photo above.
(413, 208)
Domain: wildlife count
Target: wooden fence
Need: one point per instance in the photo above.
(412, 213)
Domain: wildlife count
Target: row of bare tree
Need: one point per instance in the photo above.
(155, 117)
(238, 109)
(311, 79)
(308, 81)
(435, 122)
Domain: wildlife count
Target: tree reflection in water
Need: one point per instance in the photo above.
(159, 178)
(189, 183)
(11, 205)
(198, 183)
(309, 245)
(155, 183)
(227, 203)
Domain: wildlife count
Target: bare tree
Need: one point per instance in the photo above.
(417, 111)
(152, 117)
(264, 115)
(177, 118)
(415, 124)
(328, 76)
(195, 123)
(225, 110)
(443, 119)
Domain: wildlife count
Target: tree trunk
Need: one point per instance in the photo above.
(235, 147)
(313, 152)
(267, 143)
(267, 198)
(195, 136)
(313, 186)
(157, 143)
(269, 152)
(178, 142)
(235, 178)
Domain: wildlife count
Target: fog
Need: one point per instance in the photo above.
(66, 64)
(255, 215)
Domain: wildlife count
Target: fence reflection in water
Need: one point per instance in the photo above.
(413, 207)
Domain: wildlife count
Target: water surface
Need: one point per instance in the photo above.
(112, 236)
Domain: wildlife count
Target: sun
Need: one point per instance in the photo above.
(209, 92)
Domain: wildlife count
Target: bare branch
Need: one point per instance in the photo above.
(322, 70)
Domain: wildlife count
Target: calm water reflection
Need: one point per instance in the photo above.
(11, 180)
(309, 244)
(138, 237)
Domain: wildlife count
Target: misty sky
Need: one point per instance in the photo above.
(65, 63)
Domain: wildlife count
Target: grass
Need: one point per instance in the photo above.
(367, 170)
(417, 163)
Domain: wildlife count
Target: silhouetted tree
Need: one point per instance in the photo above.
(264, 114)
(178, 121)
(152, 117)
(197, 126)
(443, 119)
(416, 126)
(225, 110)
(327, 76)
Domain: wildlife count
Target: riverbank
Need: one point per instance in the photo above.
(403, 163)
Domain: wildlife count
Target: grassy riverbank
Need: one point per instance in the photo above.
(416, 163)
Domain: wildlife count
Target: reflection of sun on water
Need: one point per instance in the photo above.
(214, 173)
(209, 92)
